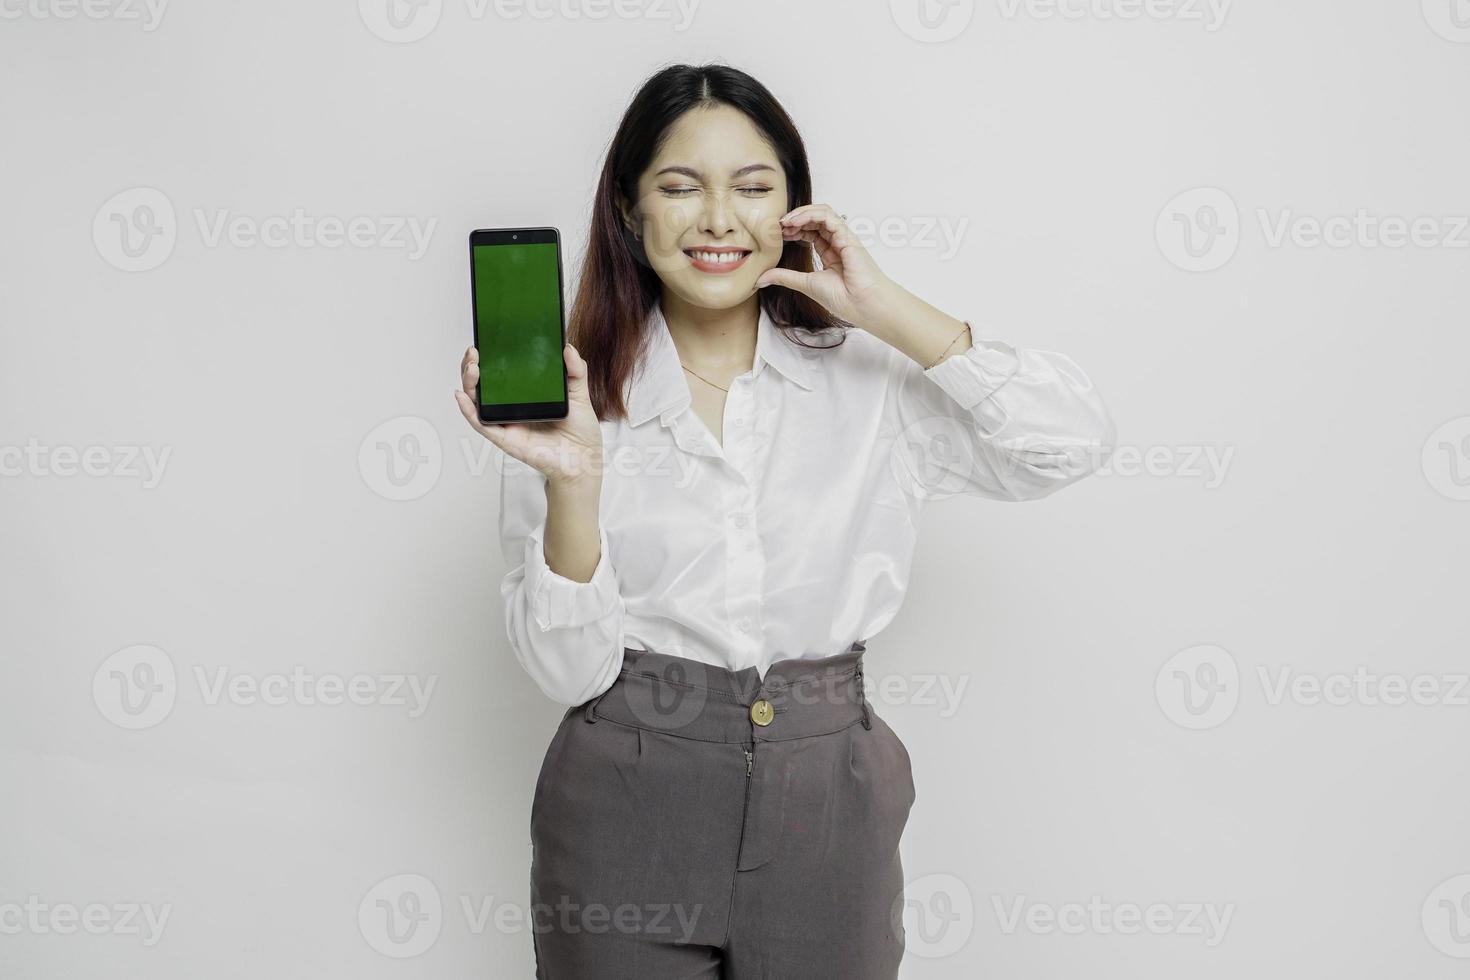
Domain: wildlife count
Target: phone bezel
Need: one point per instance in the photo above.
(527, 411)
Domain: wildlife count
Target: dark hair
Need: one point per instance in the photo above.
(618, 287)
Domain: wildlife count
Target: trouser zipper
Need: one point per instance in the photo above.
(744, 816)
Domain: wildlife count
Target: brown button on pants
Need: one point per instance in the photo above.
(695, 822)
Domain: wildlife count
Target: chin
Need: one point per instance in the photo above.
(719, 295)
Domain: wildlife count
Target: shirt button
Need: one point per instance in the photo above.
(740, 423)
(740, 520)
(744, 624)
(762, 713)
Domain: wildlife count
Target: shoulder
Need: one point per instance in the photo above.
(849, 353)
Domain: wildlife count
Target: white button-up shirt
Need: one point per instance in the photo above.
(795, 539)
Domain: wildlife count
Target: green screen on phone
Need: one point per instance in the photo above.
(518, 324)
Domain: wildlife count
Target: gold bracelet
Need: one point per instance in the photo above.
(951, 344)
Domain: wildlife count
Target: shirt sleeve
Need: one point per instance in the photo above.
(568, 635)
(997, 422)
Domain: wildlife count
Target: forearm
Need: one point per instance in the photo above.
(572, 523)
(902, 320)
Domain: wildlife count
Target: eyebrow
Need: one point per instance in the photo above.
(691, 172)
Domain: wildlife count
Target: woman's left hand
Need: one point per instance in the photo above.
(849, 284)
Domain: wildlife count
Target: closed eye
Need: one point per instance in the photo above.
(752, 191)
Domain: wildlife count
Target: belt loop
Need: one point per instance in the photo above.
(589, 715)
(863, 698)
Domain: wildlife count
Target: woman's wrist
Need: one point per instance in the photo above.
(574, 488)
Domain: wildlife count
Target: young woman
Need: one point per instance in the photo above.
(704, 545)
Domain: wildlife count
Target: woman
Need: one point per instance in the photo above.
(720, 799)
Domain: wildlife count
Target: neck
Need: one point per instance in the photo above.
(719, 344)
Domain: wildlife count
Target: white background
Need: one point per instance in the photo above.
(1077, 763)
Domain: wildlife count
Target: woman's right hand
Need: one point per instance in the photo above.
(568, 451)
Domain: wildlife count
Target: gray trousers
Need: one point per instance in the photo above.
(695, 822)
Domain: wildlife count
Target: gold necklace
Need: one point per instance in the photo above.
(702, 378)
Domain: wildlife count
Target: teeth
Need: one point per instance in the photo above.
(720, 258)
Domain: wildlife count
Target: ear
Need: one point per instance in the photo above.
(630, 218)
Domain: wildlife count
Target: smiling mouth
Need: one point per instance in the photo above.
(717, 259)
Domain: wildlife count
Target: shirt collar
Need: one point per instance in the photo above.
(659, 386)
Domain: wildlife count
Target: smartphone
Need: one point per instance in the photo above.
(520, 324)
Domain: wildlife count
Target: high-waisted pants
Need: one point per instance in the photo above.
(696, 822)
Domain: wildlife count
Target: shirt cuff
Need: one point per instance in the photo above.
(977, 373)
(557, 601)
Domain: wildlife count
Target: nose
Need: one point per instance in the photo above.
(716, 220)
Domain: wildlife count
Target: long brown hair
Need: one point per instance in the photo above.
(618, 287)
